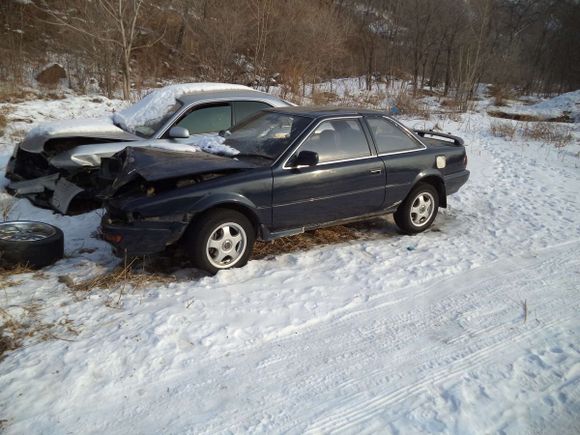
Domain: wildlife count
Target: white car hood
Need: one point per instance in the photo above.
(102, 128)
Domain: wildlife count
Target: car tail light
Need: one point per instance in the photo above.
(113, 238)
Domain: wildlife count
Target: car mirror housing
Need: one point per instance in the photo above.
(306, 158)
(179, 133)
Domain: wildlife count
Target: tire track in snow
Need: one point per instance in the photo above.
(285, 365)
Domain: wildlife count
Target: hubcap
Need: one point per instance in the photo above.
(21, 231)
(422, 209)
(226, 245)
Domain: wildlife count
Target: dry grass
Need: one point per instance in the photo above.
(323, 98)
(6, 204)
(504, 129)
(548, 133)
(129, 274)
(305, 241)
(409, 105)
(500, 95)
(14, 330)
(3, 119)
(450, 103)
(7, 275)
(10, 93)
(528, 118)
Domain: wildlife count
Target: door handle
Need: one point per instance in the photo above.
(375, 171)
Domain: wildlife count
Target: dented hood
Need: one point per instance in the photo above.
(154, 164)
(100, 128)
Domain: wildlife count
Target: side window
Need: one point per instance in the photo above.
(244, 109)
(389, 137)
(337, 140)
(208, 119)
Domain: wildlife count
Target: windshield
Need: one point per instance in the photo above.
(266, 135)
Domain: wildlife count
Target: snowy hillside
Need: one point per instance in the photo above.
(470, 327)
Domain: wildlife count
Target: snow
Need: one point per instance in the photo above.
(214, 144)
(155, 105)
(25, 117)
(550, 108)
(77, 126)
(471, 327)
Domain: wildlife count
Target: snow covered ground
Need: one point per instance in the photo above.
(471, 327)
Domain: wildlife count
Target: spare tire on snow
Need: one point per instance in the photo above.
(30, 243)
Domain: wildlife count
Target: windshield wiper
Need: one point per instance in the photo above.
(263, 156)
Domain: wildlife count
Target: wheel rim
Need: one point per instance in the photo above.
(25, 231)
(226, 245)
(422, 209)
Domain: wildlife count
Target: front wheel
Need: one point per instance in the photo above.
(419, 210)
(220, 239)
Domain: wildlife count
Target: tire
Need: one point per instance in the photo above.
(231, 235)
(412, 216)
(29, 243)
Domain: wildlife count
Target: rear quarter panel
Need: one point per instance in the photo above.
(405, 170)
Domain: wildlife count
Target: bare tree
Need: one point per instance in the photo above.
(112, 22)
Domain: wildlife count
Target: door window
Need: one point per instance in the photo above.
(338, 139)
(208, 119)
(244, 109)
(389, 137)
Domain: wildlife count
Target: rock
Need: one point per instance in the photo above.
(51, 75)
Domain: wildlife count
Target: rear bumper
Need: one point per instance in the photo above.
(137, 239)
(453, 182)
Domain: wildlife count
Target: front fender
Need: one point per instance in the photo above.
(215, 200)
(188, 206)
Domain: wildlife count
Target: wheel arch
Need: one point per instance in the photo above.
(239, 204)
(437, 182)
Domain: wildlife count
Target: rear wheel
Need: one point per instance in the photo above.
(220, 239)
(419, 209)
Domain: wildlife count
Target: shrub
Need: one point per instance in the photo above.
(548, 133)
(504, 129)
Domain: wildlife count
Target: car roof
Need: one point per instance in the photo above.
(233, 94)
(326, 112)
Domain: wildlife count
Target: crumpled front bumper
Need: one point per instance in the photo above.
(53, 191)
(140, 238)
(32, 177)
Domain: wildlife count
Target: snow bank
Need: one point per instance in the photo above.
(154, 106)
(565, 104)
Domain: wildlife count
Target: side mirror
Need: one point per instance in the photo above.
(179, 133)
(305, 158)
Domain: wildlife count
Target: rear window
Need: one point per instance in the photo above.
(389, 137)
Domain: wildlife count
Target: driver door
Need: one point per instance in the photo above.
(348, 181)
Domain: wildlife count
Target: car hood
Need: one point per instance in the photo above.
(154, 164)
(100, 128)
